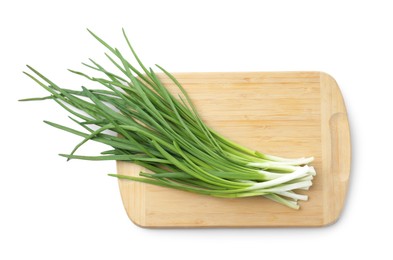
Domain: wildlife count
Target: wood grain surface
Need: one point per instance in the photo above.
(289, 114)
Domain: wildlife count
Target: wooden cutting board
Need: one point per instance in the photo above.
(289, 114)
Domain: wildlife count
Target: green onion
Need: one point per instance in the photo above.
(145, 124)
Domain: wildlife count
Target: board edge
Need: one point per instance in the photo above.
(336, 144)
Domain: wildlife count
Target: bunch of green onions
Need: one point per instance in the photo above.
(145, 124)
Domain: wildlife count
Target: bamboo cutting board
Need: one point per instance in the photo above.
(289, 114)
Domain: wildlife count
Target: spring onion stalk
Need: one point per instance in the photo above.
(143, 123)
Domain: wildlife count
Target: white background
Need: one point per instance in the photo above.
(51, 209)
